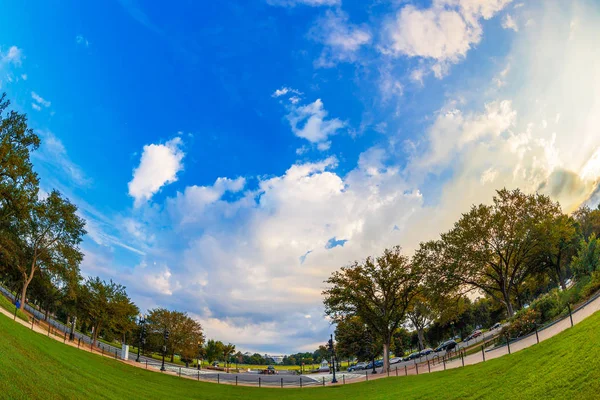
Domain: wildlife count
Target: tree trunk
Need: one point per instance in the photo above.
(46, 315)
(509, 307)
(386, 356)
(24, 291)
(172, 357)
(421, 334)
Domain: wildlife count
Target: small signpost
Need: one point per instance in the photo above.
(17, 306)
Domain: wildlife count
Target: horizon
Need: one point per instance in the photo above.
(227, 158)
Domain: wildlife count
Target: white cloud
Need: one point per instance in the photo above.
(80, 40)
(444, 33)
(509, 23)
(311, 3)
(310, 122)
(159, 166)
(14, 56)
(284, 91)
(40, 100)
(24, 77)
(35, 107)
(341, 39)
(54, 155)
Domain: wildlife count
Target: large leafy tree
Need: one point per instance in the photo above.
(349, 335)
(49, 237)
(228, 351)
(185, 333)
(379, 291)
(213, 350)
(106, 306)
(588, 221)
(559, 246)
(18, 181)
(492, 248)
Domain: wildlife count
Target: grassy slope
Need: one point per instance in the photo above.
(7, 305)
(34, 366)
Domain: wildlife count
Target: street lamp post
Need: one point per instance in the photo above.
(164, 348)
(142, 339)
(332, 349)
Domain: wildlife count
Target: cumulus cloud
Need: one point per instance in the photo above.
(158, 167)
(443, 33)
(341, 39)
(310, 122)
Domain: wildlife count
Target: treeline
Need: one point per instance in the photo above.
(40, 258)
(519, 253)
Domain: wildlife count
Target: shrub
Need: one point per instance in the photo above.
(593, 286)
(549, 305)
(523, 322)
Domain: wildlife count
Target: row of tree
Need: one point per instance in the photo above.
(505, 253)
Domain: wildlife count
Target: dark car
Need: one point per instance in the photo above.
(379, 363)
(412, 356)
(425, 352)
(496, 326)
(450, 345)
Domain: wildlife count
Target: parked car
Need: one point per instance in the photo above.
(395, 360)
(473, 335)
(412, 356)
(496, 326)
(425, 352)
(378, 363)
(215, 364)
(450, 345)
(358, 366)
(270, 370)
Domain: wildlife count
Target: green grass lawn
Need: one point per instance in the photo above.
(566, 366)
(7, 305)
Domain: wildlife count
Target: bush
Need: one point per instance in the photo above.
(549, 305)
(593, 286)
(523, 322)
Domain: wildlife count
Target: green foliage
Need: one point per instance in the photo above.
(587, 259)
(213, 350)
(592, 286)
(378, 291)
(106, 306)
(185, 333)
(473, 254)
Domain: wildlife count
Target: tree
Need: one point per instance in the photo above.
(321, 354)
(228, 350)
(588, 221)
(421, 314)
(491, 248)
(106, 306)
(400, 341)
(559, 246)
(213, 350)
(18, 182)
(349, 334)
(185, 333)
(587, 259)
(379, 291)
(50, 237)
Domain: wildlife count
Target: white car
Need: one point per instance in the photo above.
(395, 360)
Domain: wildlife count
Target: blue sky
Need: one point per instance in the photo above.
(228, 156)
